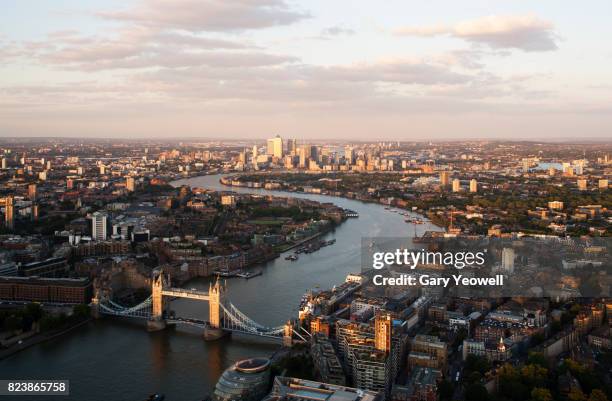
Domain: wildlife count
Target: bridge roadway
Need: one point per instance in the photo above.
(183, 293)
(188, 321)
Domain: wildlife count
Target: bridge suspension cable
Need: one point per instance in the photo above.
(235, 320)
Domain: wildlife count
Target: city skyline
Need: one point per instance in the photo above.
(251, 69)
(380, 271)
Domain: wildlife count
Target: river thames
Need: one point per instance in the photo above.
(112, 359)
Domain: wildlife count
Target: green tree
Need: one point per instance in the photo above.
(597, 395)
(477, 363)
(537, 358)
(34, 310)
(476, 392)
(576, 395)
(541, 394)
(12, 323)
(534, 375)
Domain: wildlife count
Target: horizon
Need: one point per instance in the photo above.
(581, 141)
(347, 70)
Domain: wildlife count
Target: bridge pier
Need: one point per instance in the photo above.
(156, 325)
(212, 333)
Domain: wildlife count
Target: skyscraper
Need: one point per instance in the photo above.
(456, 185)
(382, 332)
(32, 192)
(9, 213)
(288, 162)
(130, 184)
(508, 260)
(303, 156)
(349, 155)
(582, 184)
(275, 147)
(444, 178)
(99, 226)
(473, 185)
(291, 146)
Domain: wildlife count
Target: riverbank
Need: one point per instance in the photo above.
(229, 180)
(41, 338)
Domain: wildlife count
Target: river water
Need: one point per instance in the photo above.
(113, 359)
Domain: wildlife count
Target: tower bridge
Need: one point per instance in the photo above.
(223, 316)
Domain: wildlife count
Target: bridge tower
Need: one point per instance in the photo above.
(288, 334)
(95, 304)
(216, 298)
(216, 295)
(157, 321)
(157, 298)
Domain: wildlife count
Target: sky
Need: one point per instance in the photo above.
(317, 69)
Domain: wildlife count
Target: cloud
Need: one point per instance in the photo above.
(408, 72)
(140, 47)
(209, 15)
(337, 31)
(167, 33)
(525, 32)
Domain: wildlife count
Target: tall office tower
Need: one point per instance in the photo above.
(526, 164)
(130, 184)
(349, 155)
(34, 212)
(603, 184)
(48, 164)
(242, 157)
(582, 184)
(99, 222)
(579, 169)
(315, 153)
(9, 213)
(102, 169)
(382, 332)
(473, 185)
(313, 165)
(32, 192)
(303, 156)
(254, 151)
(444, 178)
(291, 146)
(456, 185)
(69, 183)
(275, 147)
(288, 162)
(4, 163)
(508, 260)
